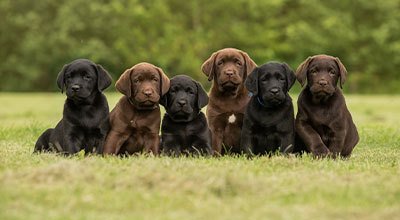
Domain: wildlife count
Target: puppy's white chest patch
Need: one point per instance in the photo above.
(232, 119)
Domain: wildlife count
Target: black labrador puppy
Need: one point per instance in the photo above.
(184, 127)
(268, 123)
(85, 121)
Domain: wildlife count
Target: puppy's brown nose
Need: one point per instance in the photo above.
(323, 82)
(229, 73)
(148, 92)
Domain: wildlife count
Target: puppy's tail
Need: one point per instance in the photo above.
(43, 142)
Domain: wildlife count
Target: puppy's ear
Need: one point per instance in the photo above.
(208, 66)
(290, 77)
(164, 100)
(249, 63)
(103, 78)
(164, 81)
(124, 83)
(202, 97)
(342, 71)
(251, 82)
(301, 72)
(60, 78)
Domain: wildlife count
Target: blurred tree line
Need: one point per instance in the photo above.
(38, 37)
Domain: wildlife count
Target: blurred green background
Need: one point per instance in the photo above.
(38, 37)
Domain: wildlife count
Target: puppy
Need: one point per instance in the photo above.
(228, 68)
(268, 123)
(323, 122)
(135, 120)
(184, 127)
(85, 120)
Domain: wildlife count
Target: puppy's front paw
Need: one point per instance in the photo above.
(321, 151)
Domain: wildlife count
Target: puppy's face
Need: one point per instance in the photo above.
(229, 68)
(82, 78)
(322, 73)
(144, 84)
(271, 82)
(184, 99)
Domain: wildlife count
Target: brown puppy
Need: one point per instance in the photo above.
(135, 120)
(323, 122)
(228, 97)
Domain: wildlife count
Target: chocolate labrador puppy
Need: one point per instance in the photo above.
(228, 68)
(323, 122)
(184, 127)
(135, 120)
(268, 123)
(85, 118)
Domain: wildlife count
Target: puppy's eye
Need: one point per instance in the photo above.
(68, 76)
(332, 72)
(155, 79)
(190, 91)
(239, 63)
(87, 77)
(220, 62)
(314, 72)
(136, 80)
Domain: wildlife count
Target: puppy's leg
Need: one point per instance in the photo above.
(246, 144)
(104, 130)
(287, 143)
(114, 141)
(72, 145)
(101, 140)
(43, 142)
(207, 147)
(201, 147)
(217, 137)
(152, 143)
(312, 140)
(169, 145)
(100, 147)
(94, 146)
(299, 146)
(336, 146)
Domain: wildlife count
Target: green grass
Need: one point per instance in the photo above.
(47, 186)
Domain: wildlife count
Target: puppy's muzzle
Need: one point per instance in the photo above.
(182, 107)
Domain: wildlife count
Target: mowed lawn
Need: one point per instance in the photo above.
(48, 186)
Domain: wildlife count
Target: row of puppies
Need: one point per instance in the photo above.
(134, 123)
(259, 123)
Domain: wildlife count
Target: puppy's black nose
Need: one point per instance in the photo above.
(182, 102)
(274, 91)
(323, 82)
(75, 88)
